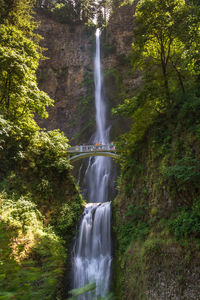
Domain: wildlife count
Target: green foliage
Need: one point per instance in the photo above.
(37, 150)
(160, 153)
(89, 288)
(5, 128)
(37, 192)
(84, 131)
(21, 214)
(20, 97)
(85, 102)
(123, 59)
(152, 248)
(161, 25)
(32, 265)
(49, 150)
(169, 67)
(189, 110)
(36, 171)
(185, 223)
(63, 12)
(68, 11)
(67, 216)
(113, 74)
(18, 13)
(109, 49)
(114, 78)
(133, 228)
(118, 3)
(87, 82)
(185, 171)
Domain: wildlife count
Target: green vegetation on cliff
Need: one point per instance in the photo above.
(157, 211)
(68, 11)
(39, 200)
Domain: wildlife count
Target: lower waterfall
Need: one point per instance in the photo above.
(92, 250)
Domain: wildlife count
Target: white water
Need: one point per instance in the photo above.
(92, 261)
(98, 172)
(92, 250)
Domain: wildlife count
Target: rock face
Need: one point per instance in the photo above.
(119, 34)
(67, 75)
(156, 266)
(120, 82)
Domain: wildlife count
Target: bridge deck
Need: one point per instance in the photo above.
(92, 148)
(88, 154)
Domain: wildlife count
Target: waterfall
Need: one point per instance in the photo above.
(92, 260)
(98, 172)
(92, 249)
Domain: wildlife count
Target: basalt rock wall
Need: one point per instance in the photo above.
(120, 82)
(68, 76)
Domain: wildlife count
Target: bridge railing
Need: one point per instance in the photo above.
(91, 148)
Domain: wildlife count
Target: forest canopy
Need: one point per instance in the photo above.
(34, 168)
(80, 11)
(166, 53)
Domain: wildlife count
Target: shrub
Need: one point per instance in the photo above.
(32, 256)
(184, 171)
(186, 222)
(133, 228)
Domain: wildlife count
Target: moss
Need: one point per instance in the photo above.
(88, 127)
(159, 175)
(155, 267)
(109, 49)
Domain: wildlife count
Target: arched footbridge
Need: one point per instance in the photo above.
(83, 151)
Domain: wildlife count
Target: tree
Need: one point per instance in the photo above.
(20, 97)
(166, 53)
(69, 11)
(88, 9)
(18, 13)
(104, 9)
(164, 29)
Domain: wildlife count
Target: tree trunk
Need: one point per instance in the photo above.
(179, 77)
(166, 84)
(164, 70)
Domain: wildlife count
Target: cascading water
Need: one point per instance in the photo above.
(92, 259)
(98, 172)
(92, 249)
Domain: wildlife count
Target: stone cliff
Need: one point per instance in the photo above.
(120, 82)
(67, 74)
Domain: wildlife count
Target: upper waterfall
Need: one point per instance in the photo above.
(97, 175)
(100, 136)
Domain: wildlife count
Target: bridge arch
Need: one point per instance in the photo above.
(88, 154)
